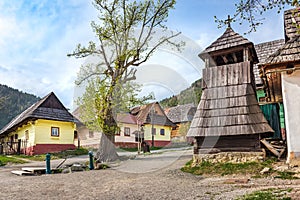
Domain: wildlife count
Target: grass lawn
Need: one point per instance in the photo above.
(4, 160)
(18, 159)
(268, 194)
(222, 169)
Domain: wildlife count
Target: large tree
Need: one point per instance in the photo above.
(252, 10)
(124, 30)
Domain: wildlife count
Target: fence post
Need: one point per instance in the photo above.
(48, 167)
(19, 147)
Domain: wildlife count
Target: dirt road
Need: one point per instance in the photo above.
(156, 176)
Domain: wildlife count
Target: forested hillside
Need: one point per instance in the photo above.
(189, 95)
(12, 103)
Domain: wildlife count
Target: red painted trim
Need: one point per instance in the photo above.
(158, 143)
(126, 144)
(47, 148)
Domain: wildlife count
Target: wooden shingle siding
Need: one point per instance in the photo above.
(228, 105)
(227, 75)
(289, 52)
(291, 17)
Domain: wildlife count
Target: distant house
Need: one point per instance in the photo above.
(273, 110)
(281, 77)
(46, 126)
(181, 116)
(156, 125)
(127, 136)
(85, 137)
(134, 126)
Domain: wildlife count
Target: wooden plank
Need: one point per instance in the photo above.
(269, 146)
(41, 170)
(22, 173)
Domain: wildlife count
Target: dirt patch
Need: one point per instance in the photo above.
(168, 182)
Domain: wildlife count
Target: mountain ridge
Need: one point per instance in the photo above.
(13, 102)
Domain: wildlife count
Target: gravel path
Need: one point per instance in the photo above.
(155, 176)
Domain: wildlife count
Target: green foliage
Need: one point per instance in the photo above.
(189, 95)
(12, 103)
(205, 167)
(268, 194)
(248, 10)
(58, 155)
(94, 106)
(286, 175)
(124, 31)
(4, 160)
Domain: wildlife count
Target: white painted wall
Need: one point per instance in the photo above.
(291, 101)
(122, 137)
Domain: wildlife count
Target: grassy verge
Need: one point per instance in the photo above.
(17, 159)
(252, 169)
(268, 194)
(222, 169)
(4, 160)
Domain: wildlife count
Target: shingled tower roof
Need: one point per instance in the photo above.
(229, 39)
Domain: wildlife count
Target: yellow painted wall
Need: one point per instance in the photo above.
(39, 132)
(148, 135)
(43, 132)
(21, 133)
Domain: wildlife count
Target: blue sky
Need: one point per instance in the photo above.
(36, 36)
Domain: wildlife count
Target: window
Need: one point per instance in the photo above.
(27, 135)
(126, 131)
(16, 136)
(55, 131)
(118, 132)
(91, 134)
(162, 131)
(75, 135)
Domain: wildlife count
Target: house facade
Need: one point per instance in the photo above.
(181, 115)
(155, 125)
(45, 127)
(281, 76)
(127, 136)
(146, 123)
(85, 137)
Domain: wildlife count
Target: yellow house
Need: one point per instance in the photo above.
(156, 125)
(46, 126)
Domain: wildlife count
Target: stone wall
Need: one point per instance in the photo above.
(232, 157)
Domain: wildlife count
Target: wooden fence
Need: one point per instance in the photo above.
(13, 147)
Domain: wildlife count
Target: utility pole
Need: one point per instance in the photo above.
(152, 125)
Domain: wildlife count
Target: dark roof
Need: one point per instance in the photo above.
(158, 120)
(264, 50)
(126, 118)
(48, 107)
(229, 39)
(289, 52)
(144, 114)
(291, 18)
(228, 105)
(181, 113)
